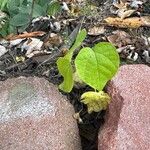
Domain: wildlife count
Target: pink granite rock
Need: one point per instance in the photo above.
(35, 116)
(127, 122)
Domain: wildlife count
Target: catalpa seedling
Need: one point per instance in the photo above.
(94, 66)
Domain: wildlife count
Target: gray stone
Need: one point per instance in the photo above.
(127, 122)
(35, 116)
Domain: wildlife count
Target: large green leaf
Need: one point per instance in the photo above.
(12, 3)
(65, 69)
(3, 3)
(43, 2)
(38, 11)
(13, 11)
(13, 7)
(20, 19)
(25, 9)
(97, 65)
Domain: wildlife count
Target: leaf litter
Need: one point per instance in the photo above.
(34, 51)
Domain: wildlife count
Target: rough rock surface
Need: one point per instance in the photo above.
(127, 125)
(35, 116)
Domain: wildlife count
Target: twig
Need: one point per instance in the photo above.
(26, 35)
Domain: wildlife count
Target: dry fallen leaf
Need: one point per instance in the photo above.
(20, 59)
(15, 42)
(120, 38)
(32, 46)
(96, 30)
(123, 13)
(53, 39)
(134, 22)
(146, 20)
(75, 9)
(121, 4)
(77, 117)
(3, 50)
(137, 3)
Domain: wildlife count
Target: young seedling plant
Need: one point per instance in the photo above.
(94, 66)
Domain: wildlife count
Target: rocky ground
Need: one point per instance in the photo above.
(126, 24)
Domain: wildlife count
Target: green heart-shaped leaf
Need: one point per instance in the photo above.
(97, 65)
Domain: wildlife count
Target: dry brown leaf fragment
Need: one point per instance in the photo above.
(31, 45)
(15, 42)
(96, 30)
(134, 22)
(20, 59)
(3, 50)
(77, 117)
(53, 40)
(124, 10)
(128, 3)
(123, 13)
(146, 20)
(121, 4)
(120, 38)
(137, 3)
(75, 9)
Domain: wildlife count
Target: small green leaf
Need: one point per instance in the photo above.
(53, 8)
(95, 101)
(64, 64)
(65, 69)
(98, 65)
